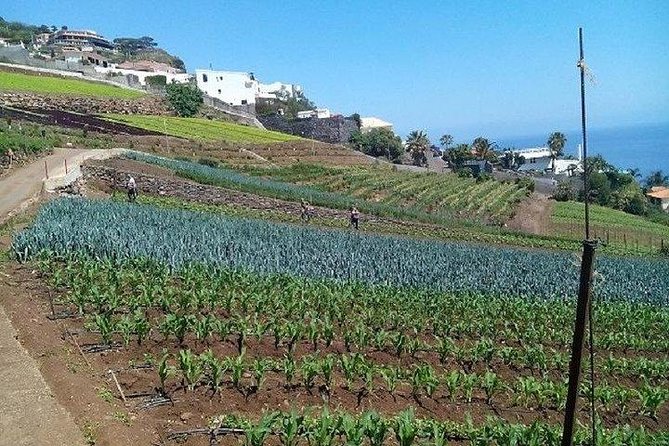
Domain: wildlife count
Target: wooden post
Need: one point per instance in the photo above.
(46, 170)
(65, 159)
(607, 236)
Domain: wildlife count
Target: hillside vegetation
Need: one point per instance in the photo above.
(205, 129)
(56, 85)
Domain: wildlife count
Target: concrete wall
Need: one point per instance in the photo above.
(334, 130)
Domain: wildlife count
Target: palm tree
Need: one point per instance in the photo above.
(634, 172)
(446, 141)
(484, 149)
(657, 178)
(556, 142)
(417, 144)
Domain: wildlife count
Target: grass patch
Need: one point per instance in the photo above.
(200, 128)
(57, 85)
(616, 227)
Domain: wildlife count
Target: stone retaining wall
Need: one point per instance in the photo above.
(147, 105)
(334, 130)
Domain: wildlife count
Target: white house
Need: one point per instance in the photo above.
(232, 87)
(369, 123)
(660, 194)
(319, 113)
(276, 89)
(539, 159)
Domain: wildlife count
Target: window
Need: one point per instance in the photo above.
(244, 102)
(204, 78)
(219, 91)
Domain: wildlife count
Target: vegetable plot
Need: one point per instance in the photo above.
(118, 230)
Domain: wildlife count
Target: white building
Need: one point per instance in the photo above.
(231, 87)
(369, 123)
(179, 78)
(278, 89)
(319, 113)
(539, 159)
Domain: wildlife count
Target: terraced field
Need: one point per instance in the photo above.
(57, 85)
(271, 333)
(438, 194)
(613, 226)
(202, 129)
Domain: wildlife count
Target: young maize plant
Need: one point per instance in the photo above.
(190, 367)
(256, 434)
(288, 366)
(375, 428)
(405, 428)
(164, 372)
(292, 427)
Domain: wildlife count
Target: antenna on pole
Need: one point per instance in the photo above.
(583, 306)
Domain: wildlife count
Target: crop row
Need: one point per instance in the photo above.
(356, 374)
(327, 428)
(365, 315)
(120, 231)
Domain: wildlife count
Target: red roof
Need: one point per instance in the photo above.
(660, 192)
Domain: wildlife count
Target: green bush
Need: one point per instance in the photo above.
(156, 81)
(564, 192)
(185, 99)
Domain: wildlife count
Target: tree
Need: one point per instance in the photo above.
(484, 149)
(457, 155)
(185, 99)
(378, 142)
(657, 178)
(446, 141)
(556, 142)
(357, 119)
(417, 145)
(130, 46)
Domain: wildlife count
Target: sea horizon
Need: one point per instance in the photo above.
(640, 146)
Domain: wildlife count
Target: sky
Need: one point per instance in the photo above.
(481, 68)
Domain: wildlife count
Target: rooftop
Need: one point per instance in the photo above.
(660, 192)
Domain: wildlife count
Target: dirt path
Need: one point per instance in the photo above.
(533, 215)
(30, 413)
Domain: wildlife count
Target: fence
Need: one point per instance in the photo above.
(637, 240)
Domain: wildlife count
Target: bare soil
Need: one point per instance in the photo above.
(533, 215)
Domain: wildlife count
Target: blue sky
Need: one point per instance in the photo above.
(491, 68)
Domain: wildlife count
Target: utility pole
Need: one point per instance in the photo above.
(583, 308)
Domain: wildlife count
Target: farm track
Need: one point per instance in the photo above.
(30, 414)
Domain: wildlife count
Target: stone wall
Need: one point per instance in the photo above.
(115, 179)
(149, 105)
(334, 130)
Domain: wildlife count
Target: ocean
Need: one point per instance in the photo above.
(644, 147)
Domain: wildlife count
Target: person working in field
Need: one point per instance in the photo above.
(307, 210)
(132, 189)
(355, 217)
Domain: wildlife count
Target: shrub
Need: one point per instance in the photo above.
(527, 183)
(185, 99)
(156, 81)
(465, 172)
(564, 192)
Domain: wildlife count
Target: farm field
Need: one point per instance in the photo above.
(430, 198)
(10, 81)
(200, 128)
(403, 341)
(613, 226)
(430, 193)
